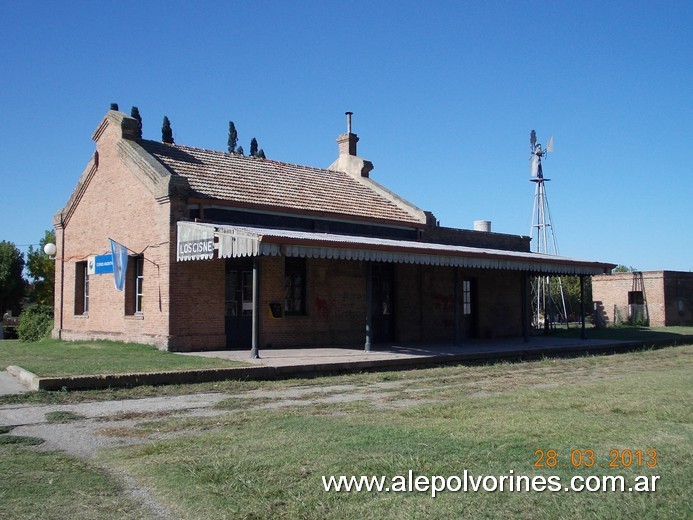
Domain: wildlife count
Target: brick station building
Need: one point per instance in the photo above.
(234, 252)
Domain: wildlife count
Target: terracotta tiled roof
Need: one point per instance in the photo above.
(271, 184)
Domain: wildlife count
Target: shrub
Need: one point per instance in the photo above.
(35, 323)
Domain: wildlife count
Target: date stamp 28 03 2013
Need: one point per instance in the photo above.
(587, 458)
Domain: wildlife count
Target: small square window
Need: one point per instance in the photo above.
(636, 298)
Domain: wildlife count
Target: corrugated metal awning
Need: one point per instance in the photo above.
(240, 241)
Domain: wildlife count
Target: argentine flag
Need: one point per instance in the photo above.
(120, 264)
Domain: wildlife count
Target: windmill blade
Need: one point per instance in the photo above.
(549, 145)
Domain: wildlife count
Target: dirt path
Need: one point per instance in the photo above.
(88, 431)
(93, 424)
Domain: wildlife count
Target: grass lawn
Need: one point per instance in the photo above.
(62, 358)
(488, 420)
(264, 457)
(48, 485)
(643, 334)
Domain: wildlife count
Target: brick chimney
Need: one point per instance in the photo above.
(347, 142)
(348, 161)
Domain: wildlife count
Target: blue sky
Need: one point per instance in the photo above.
(444, 96)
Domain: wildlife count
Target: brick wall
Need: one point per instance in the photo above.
(499, 304)
(423, 304)
(113, 204)
(335, 308)
(335, 304)
(197, 310)
(678, 295)
(472, 238)
(426, 303)
(610, 297)
(410, 315)
(669, 297)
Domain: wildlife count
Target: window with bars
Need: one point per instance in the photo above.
(139, 285)
(134, 286)
(466, 297)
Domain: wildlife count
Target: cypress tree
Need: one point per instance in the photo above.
(253, 147)
(233, 137)
(114, 106)
(135, 112)
(261, 154)
(239, 150)
(166, 131)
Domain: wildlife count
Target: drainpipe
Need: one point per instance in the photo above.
(254, 350)
(525, 306)
(369, 293)
(582, 307)
(62, 276)
(456, 296)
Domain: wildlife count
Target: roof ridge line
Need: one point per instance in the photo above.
(239, 156)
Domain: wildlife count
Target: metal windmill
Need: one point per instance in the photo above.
(548, 300)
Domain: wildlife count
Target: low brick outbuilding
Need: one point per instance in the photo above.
(656, 298)
(227, 251)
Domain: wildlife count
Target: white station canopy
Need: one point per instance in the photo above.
(199, 241)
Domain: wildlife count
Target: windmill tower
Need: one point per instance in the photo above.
(548, 299)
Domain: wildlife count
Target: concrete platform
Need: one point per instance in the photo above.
(10, 385)
(391, 354)
(310, 362)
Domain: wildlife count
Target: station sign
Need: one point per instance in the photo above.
(100, 264)
(196, 249)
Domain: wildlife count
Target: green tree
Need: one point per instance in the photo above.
(571, 293)
(261, 154)
(114, 106)
(166, 131)
(624, 269)
(233, 137)
(41, 268)
(35, 322)
(12, 284)
(135, 112)
(239, 150)
(253, 147)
